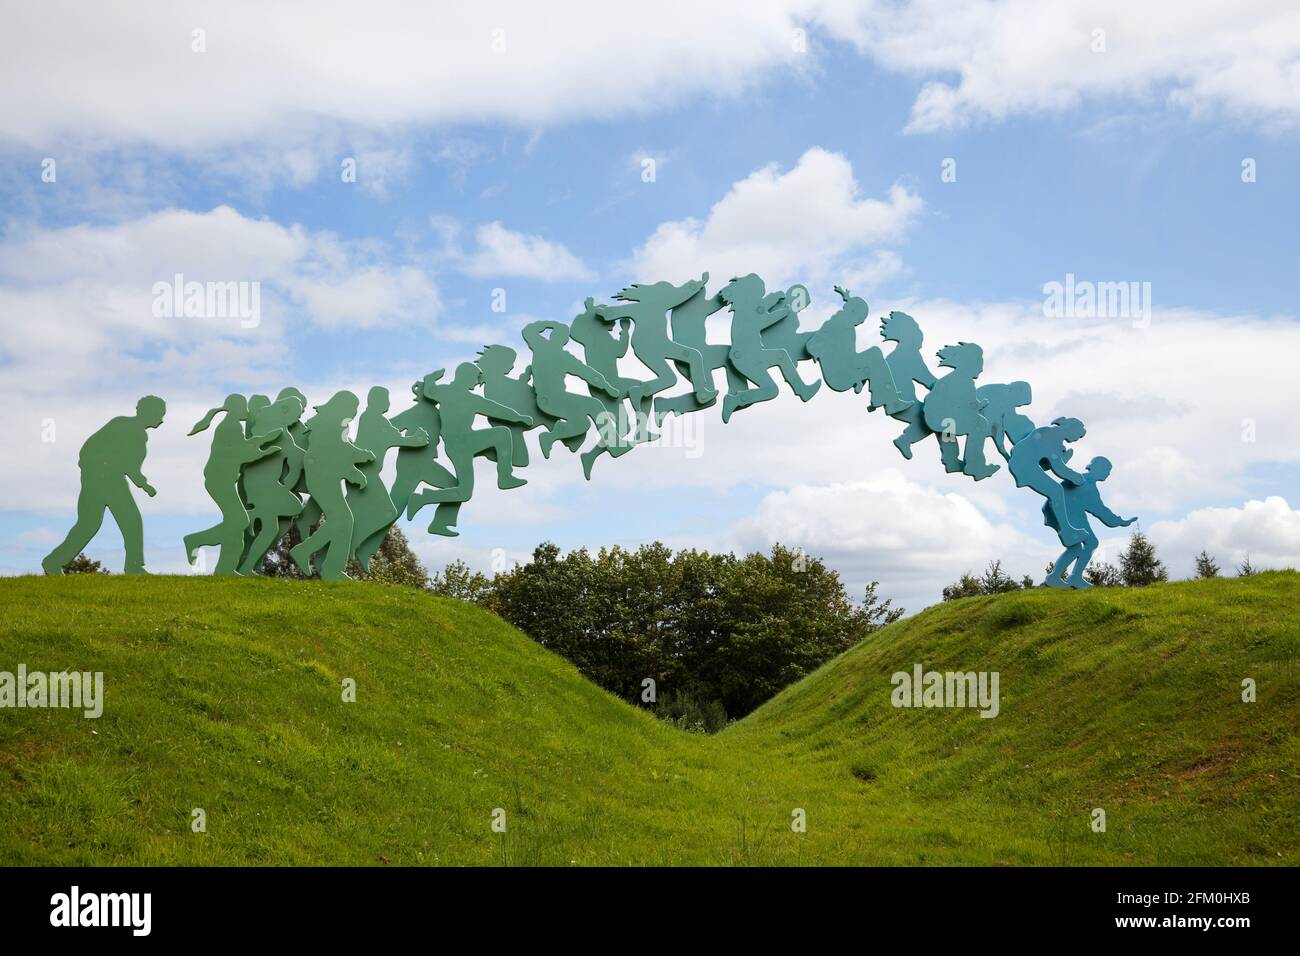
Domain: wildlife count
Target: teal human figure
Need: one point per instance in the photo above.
(420, 465)
(953, 410)
(784, 332)
(1009, 425)
(108, 459)
(601, 350)
(843, 367)
(458, 406)
(749, 317)
(330, 462)
(552, 363)
(688, 323)
(268, 482)
(909, 370)
(231, 451)
(310, 514)
(373, 511)
(1041, 454)
(1080, 501)
(496, 363)
(647, 306)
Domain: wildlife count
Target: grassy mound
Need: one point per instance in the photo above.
(226, 695)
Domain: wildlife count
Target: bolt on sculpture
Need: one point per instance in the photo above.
(259, 487)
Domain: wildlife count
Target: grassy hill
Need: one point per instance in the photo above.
(225, 695)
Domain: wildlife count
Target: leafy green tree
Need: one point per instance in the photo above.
(456, 580)
(84, 565)
(993, 581)
(393, 563)
(996, 581)
(1103, 574)
(967, 586)
(1206, 566)
(707, 628)
(1246, 569)
(1138, 564)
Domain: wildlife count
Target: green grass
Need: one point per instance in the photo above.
(225, 695)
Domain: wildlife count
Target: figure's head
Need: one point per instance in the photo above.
(747, 288)
(342, 406)
(290, 392)
(279, 414)
(1019, 394)
(1099, 468)
(468, 375)
(150, 410)
(964, 357)
(256, 403)
(236, 406)
(377, 399)
(1071, 429)
(497, 359)
(901, 328)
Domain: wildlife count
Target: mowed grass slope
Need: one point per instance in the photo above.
(225, 695)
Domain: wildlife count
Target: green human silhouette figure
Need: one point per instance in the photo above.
(330, 461)
(784, 332)
(420, 464)
(1080, 501)
(601, 351)
(1040, 452)
(496, 363)
(953, 410)
(909, 370)
(834, 346)
(268, 482)
(688, 323)
(552, 362)
(647, 306)
(310, 514)
(373, 511)
(108, 459)
(1009, 425)
(231, 451)
(458, 405)
(751, 312)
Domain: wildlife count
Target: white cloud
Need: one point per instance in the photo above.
(1267, 531)
(503, 252)
(804, 224)
(1240, 60)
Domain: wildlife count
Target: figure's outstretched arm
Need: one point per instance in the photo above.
(1108, 517)
(491, 409)
(1064, 472)
(591, 376)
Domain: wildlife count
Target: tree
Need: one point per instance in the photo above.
(456, 580)
(717, 633)
(1246, 569)
(1138, 563)
(1206, 566)
(993, 581)
(84, 565)
(1102, 574)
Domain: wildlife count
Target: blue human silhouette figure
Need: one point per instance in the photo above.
(1009, 425)
(1080, 501)
(784, 332)
(688, 322)
(601, 350)
(909, 370)
(953, 410)
(835, 348)
(753, 311)
(1040, 452)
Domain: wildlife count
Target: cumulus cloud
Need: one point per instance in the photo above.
(1268, 532)
(809, 222)
(1013, 57)
(503, 252)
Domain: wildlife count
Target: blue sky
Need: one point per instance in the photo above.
(522, 170)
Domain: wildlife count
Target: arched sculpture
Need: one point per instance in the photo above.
(265, 459)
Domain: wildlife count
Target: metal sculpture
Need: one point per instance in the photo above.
(265, 459)
(108, 459)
